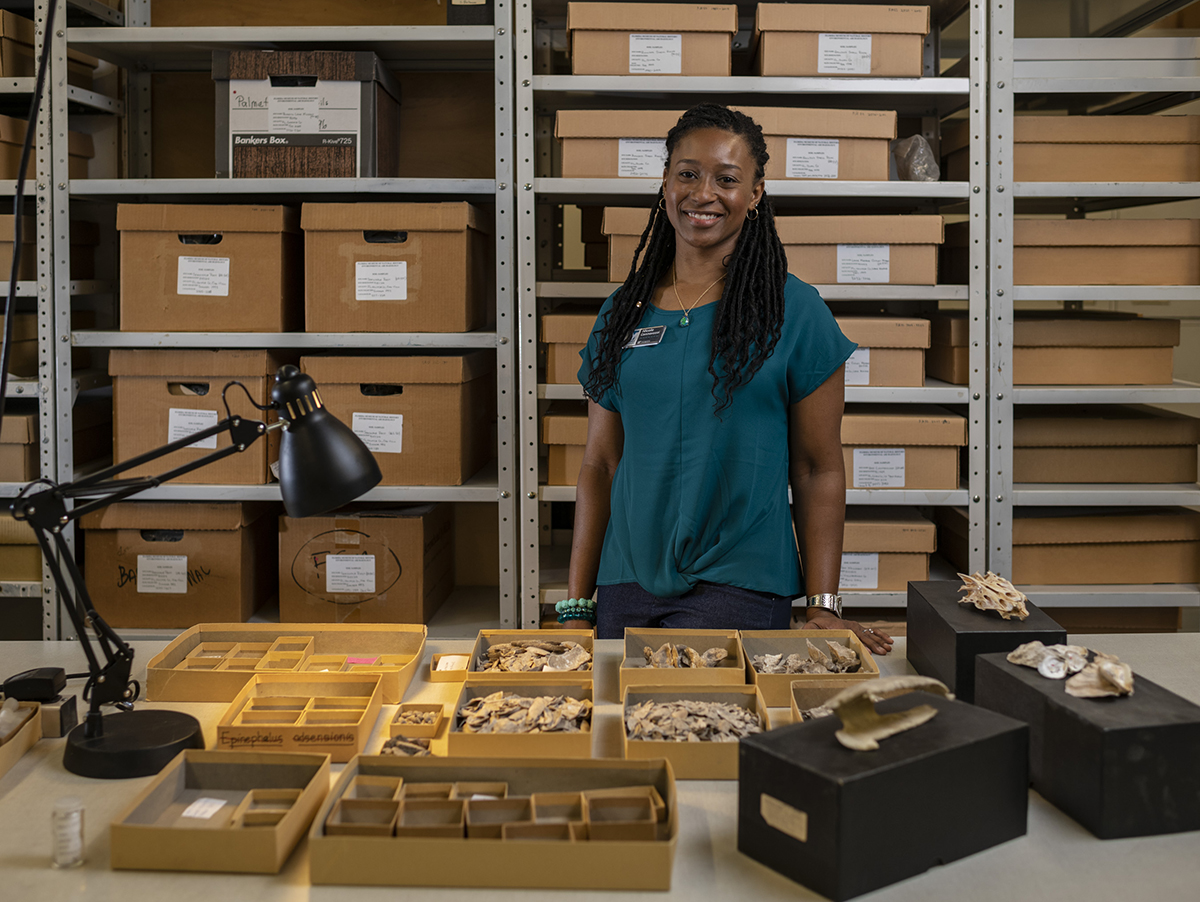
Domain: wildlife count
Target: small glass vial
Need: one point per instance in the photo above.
(66, 832)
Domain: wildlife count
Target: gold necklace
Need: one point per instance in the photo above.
(685, 319)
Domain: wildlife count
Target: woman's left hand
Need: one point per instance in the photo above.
(878, 643)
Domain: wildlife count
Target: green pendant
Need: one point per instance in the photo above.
(683, 320)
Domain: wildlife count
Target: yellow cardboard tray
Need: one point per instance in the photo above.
(22, 739)
(731, 672)
(488, 638)
(519, 745)
(776, 688)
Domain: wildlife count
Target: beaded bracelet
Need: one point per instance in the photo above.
(576, 609)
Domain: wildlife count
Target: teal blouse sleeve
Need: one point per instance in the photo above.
(609, 399)
(817, 345)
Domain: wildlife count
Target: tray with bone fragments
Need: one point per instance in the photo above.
(531, 656)
(546, 720)
(681, 658)
(822, 662)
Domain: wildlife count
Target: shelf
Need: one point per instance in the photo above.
(24, 85)
(946, 497)
(19, 589)
(315, 340)
(1146, 191)
(84, 101)
(22, 388)
(1106, 292)
(90, 286)
(1117, 495)
(24, 289)
(864, 292)
(600, 190)
(1179, 392)
(294, 188)
(933, 392)
(1105, 65)
(88, 379)
(1131, 596)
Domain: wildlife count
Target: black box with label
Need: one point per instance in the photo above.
(470, 12)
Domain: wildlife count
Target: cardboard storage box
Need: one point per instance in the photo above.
(488, 638)
(338, 118)
(366, 566)
(23, 738)
(914, 447)
(84, 236)
(651, 38)
(80, 149)
(560, 744)
(205, 267)
(840, 39)
(891, 350)
(169, 565)
(20, 554)
(564, 432)
(566, 332)
(895, 250)
(19, 446)
(1068, 546)
(808, 807)
(492, 862)
(945, 636)
(1081, 444)
(395, 267)
(776, 688)
(17, 55)
(268, 800)
(826, 144)
(212, 662)
(884, 548)
(605, 144)
(634, 671)
(1120, 766)
(692, 760)
(227, 13)
(1065, 348)
(162, 396)
(427, 420)
(623, 226)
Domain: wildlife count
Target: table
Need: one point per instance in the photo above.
(1056, 859)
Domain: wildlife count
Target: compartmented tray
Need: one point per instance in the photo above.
(816, 688)
(522, 745)
(730, 672)
(222, 811)
(22, 738)
(212, 662)
(487, 638)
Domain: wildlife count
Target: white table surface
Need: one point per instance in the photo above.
(1057, 859)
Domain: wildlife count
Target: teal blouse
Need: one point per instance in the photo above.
(701, 499)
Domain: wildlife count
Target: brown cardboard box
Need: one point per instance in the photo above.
(161, 396)
(1092, 149)
(730, 673)
(913, 447)
(891, 350)
(840, 39)
(23, 359)
(651, 38)
(227, 13)
(84, 238)
(16, 53)
(605, 144)
(558, 744)
(776, 688)
(624, 227)
(1057, 546)
(884, 549)
(401, 567)
(395, 267)
(171, 565)
(19, 447)
(826, 144)
(1081, 444)
(13, 746)
(566, 332)
(1065, 348)
(564, 431)
(896, 250)
(80, 149)
(489, 638)
(428, 420)
(20, 555)
(200, 267)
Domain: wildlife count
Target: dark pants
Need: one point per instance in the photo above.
(707, 606)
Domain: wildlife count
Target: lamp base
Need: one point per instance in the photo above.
(134, 744)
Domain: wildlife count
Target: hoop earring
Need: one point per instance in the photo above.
(662, 206)
(754, 217)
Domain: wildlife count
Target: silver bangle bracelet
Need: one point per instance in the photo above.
(829, 602)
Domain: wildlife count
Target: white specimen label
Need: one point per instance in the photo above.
(864, 262)
(381, 280)
(379, 431)
(291, 114)
(844, 54)
(182, 422)
(858, 367)
(206, 276)
(350, 573)
(812, 158)
(162, 574)
(203, 808)
(641, 157)
(655, 54)
(860, 570)
(879, 468)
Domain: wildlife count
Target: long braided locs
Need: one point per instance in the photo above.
(749, 312)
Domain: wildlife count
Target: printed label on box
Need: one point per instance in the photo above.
(864, 262)
(844, 54)
(206, 276)
(858, 367)
(655, 54)
(641, 157)
(325, 115)
(203, 808)
(879, 468)
(292, 114)
(860, 570)
(162, 574)
(812, 158)
(380, 431)
(381, 280)
(350, 573)
(182, 422)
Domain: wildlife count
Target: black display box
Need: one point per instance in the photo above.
(944, 636)
(844, 823)
(470, 12)
(1123, 766)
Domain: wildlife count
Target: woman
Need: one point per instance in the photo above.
(730, 389)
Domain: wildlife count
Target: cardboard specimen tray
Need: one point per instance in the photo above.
(453, 675)
(413, 730)
(944, 636)
(222, 811)
(730, 672)
(1121, 766)
(330, 713)
(202, 664)
(809, 807)
(22, 739)
(495, 860)
(692, 760)
(776, 688)
(520, 745)
(487, 638)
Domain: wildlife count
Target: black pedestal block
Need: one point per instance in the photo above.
(944, 636)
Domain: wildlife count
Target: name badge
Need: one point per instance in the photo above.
(646, 337)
